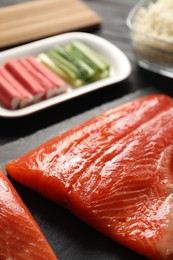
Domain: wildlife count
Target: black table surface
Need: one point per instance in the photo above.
(70, 238)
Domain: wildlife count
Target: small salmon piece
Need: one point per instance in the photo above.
(113, 172)
(20, 236)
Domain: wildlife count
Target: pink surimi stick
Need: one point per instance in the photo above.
(26, 79)
(9, 97)
(27, 98)
(49, 87)
(61, 85)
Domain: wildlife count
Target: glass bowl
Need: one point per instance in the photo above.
(153, 51)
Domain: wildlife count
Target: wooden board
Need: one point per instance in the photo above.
(33, 20)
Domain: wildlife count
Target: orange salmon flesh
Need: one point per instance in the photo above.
(115, 172)
(20, 236)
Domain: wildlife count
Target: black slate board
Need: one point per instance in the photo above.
(70, 238)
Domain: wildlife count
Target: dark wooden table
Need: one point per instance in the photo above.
(70, 238)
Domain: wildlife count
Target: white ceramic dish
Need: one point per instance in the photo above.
(120, 67)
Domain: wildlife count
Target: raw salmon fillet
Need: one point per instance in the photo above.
(114, 172)
(20, 236)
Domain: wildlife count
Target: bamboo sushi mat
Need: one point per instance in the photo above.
(38, 19)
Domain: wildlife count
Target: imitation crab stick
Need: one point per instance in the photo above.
(114, 172)
(49, 88)
(13, 83)
(26, 79)
(61, 85)
(9, 97)
(20, 236)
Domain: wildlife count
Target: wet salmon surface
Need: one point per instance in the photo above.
(114, 172)
(20, 236)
